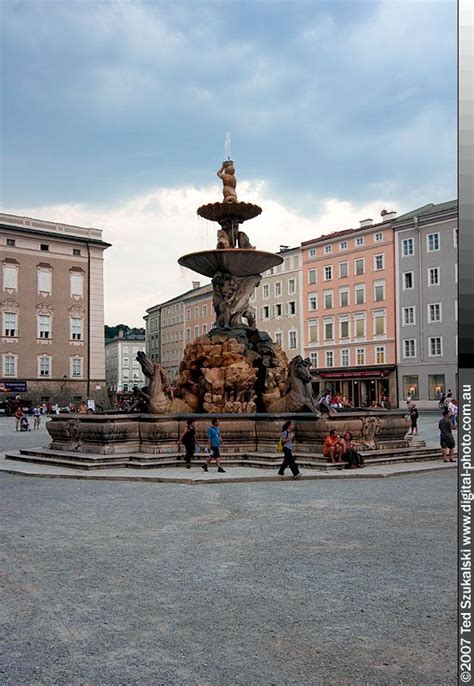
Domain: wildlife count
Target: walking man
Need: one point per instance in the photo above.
(446, 437)
(188, 439)
(214, 444)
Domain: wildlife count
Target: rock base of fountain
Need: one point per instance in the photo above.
(233, 370)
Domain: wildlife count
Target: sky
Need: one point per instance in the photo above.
(114, 115)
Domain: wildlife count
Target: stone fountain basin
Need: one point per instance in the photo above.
(109, 434)
(235, 261)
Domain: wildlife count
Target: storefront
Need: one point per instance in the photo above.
(362, 387)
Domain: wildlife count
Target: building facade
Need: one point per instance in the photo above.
(278, 303)
(123, 372)
(349, 311)
(426, 255)
(52, 303)
(171, 325)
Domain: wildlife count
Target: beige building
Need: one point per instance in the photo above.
(171, 325)
(52, 306)
(278, 302)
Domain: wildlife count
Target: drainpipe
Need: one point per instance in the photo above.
(88, 320)
(421, 282)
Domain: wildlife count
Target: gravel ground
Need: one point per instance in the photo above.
(116, 583)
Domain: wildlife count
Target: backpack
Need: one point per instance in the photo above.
(280, 446)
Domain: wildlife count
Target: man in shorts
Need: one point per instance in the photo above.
(214, 443)
(446, 437)
(332, 447)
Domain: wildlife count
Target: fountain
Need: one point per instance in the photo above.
(235, 372)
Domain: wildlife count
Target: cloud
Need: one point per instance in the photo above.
(151, 231)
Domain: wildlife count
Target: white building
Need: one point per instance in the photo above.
(123, 372)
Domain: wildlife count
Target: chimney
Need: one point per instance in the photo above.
(388, 215)
(196, 284)
(365, 222)
(120, 333)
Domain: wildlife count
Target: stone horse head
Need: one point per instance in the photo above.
(300, 381)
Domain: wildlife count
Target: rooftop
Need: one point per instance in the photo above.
(431, 208)
(47, 228)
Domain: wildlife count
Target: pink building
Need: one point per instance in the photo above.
(349, 311)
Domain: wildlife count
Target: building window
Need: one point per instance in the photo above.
(360, 356)
(44, 247)
(196, 331)
(359, 327)
(312, 276)
(379, 291)
(329, 358)
(278, 289)
(433, 276)
(292, 307)
(435, 346)
(455, 236)
(291, 286)
(204, 311)
(76, 328)
(76, 282)
(312, 252)
(196, 313)
(344, 297)
(408, 281)
(188, 315)
(434, 312)
(266, 291)
(359, 241)
(343, 245)
(10, 324)
(344, 358)
(379, 323)
(10, 277)
(312, 302)
(44, 326)
(265, 312)
(279, 338)
(328, 331)
(344, 328)
(360, 294)
(45, 279)
(328, 273)
(432, 242)
(410, 386)
(359, 266)
(327, 300)
(76, 252)
(9, 365)
(313, 358)
(380, 354)
(278, 310)
(378, 236)
(188, 334)
(436, 386)
(292, 340)
(312, 331)
(408, 247)
(379, 262)
(408, 317)
(44, 366)
(11, 242)
(327, 249)
(409, 347)
(76, 367)
(125, 362)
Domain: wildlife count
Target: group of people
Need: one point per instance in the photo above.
(341, 451)
(446, 425)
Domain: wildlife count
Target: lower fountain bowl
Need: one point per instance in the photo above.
(232, 260)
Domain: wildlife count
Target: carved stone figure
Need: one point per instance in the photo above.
(160, 394)
(299, 396)
(231, 299)
(227, 174)
(370, 429)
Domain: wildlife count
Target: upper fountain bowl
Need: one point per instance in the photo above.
(219, 211)
(233, 261)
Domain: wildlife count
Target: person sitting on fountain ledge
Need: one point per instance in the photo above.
(214, 445)
(333, 448)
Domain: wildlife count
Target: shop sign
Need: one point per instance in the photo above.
(13, 387)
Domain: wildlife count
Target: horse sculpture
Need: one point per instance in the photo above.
(160, 394)
(299, 396)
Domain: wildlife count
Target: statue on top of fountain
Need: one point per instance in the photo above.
(229, 235)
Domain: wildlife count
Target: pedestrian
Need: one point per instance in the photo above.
(83, 409)
(453, 412)
(18, 415)
(37, 417)
(446, 437)
(286, 438)
(188, 439)
(413, 418)
(408, 398)
(332, 447)
(214, 444)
